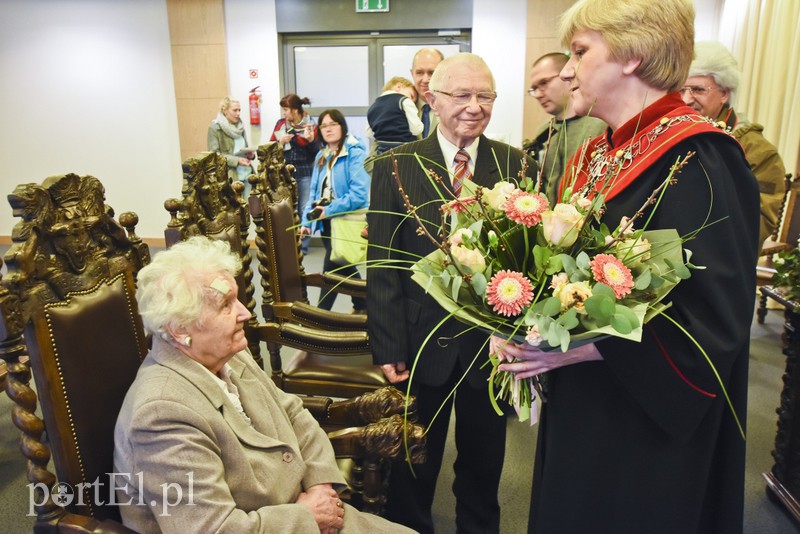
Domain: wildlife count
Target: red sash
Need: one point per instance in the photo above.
(637, 144)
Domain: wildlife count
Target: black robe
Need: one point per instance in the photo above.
(644, 441)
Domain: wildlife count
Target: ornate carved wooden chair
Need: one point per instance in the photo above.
(339, 363)
(774, 244)
(210, 205)
(69, 288)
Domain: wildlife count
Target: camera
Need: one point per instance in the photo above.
(316, 211)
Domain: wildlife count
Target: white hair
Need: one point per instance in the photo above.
(172, 289)
(442, 73)
(714, 60)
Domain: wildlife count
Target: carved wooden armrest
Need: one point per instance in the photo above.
(773, 248)
(391, 438)
(367, 408)
(315, 340)
(306, 314)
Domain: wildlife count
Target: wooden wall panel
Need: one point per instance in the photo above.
(196, 115)
(196, 71)
(199, 67)
(193, 22)
(542, 22)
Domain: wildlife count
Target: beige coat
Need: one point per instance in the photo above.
(182, 433)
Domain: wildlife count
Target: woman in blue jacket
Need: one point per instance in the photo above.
(339, 184)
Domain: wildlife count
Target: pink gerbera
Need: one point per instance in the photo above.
(609, 270)
(509, 292)
(525, 208)
(459, 205)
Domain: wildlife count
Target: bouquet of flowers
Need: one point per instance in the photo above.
(551, 276)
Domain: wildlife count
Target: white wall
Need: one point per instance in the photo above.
(88, 89)
(498, 36)
(252, 43)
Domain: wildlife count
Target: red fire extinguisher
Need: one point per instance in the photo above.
(255, 106)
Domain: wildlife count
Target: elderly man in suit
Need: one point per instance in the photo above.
(401, 314)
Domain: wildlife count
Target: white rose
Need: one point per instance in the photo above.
(497, 195)
(470, 258)
(562, 225)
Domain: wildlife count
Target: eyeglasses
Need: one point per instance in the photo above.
(696, 90)
(329, 126)
(461, 99)
(541, 85)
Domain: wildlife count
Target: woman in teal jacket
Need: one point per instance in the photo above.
(339, 184)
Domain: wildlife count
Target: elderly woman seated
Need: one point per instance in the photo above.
(204, 440)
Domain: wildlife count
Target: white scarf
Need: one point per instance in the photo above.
(231, 130)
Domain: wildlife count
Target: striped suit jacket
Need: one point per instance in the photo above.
(401, 315)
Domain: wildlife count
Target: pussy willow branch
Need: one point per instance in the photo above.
(670, 180)
(422, 231)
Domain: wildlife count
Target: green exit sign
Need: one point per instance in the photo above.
(372, 6)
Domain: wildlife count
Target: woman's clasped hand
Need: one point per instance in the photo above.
(324, 503)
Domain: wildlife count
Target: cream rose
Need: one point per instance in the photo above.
(573, 295)
(470, 258)
(562, 225)
(497, 195)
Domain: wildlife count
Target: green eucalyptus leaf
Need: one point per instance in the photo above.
(554, 265)
(552, 335)
(681, 271)
(446, 278)
(569, 264)
(656, 281)
(600, 308)
(569, 319)
(643, 280)
(625, 320)
(564, 340)
(603, 290)
(541, 255)
(457, 281)
(621, 324)
(551, 306)
(582, 261)
(479, 284)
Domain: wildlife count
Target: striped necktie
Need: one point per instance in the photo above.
(461, 172)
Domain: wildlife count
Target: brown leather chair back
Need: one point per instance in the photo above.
(86, 350)
(286, 282)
